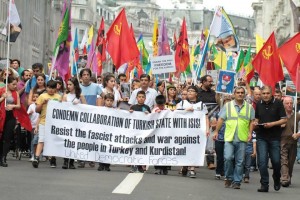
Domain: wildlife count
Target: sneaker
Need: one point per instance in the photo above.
(107, 168)
(92, 164)
(236, 186)
(298, 161)
(218, 176)
(184, 171)
(246, 180)
(157, 171)
(101, 167)
(165, 171)
(53, 162)
(228, 183)
(35, 162)
(192, 174)
(133, 169)
(141, 169)
(81, 164)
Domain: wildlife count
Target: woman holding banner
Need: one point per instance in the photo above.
(73, 94)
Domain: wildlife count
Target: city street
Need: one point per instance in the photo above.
(19, 181)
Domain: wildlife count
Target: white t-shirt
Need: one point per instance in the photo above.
(150, 97)
(34, 116)
(196, 106)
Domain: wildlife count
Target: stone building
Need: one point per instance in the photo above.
(280, 16)
(39, 20)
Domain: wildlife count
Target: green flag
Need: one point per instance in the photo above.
(63, 31)
(143, 51)
(240, 61)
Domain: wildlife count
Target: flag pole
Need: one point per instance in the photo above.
(297, 88)
(198, 70)
(8, 49)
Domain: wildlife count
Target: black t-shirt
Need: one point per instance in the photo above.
(269, 112)
(141, 108)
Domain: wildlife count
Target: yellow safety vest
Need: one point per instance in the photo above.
(237, 120)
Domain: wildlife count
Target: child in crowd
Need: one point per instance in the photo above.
(108, 102)
(140, 107)
(41, 107)
(250, 153)
(160, 101)
(34, 117)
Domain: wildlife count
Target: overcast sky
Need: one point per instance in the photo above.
(238, 7)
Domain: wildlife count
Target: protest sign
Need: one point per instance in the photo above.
(113, 136)
(226, 81)
(163, 64)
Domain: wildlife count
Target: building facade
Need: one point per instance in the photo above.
(39, 21)
(280, 16)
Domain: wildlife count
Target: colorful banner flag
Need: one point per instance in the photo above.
(92, 62)
(223, 29)
(62, 45)
(84, 40)
(290, 55)
(15, 22)
(267, 63)
(75, 54)
(182, 55)
(101, 46)
(144, 55)
(155, 38)
(90, 37)
(120, 44)
(240, 61)
(202, 58)
(163, 42)
(249, 70)
(218, 57)
(259, 42)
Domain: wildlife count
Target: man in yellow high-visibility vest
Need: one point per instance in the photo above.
(238, 116)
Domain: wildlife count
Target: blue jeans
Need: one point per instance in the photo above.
(234, 155)
(248, 161)
(266, 149)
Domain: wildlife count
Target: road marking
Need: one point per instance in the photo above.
(129, 183)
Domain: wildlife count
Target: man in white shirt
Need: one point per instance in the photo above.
(150, 93)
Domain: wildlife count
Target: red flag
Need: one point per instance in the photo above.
(182, 55)
(297, 84)
(290, 55)
(132, 31)
(101, 41)
(120, 44)
(267, 63)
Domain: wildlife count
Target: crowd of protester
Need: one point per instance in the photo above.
(247, 129)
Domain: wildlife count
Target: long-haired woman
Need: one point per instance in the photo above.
(73, 94)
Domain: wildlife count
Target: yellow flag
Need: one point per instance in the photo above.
(155, 38)
(221, 60)
(90, 35)
(259, 42)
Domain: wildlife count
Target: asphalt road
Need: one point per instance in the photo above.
(20, 181)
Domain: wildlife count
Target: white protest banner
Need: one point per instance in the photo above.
(113, 136)
(163, 64)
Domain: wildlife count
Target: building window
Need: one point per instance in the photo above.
(81, 33)
(197, 26)
(81, 14)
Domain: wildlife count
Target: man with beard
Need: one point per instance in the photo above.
(210, 99)
(25, 76)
